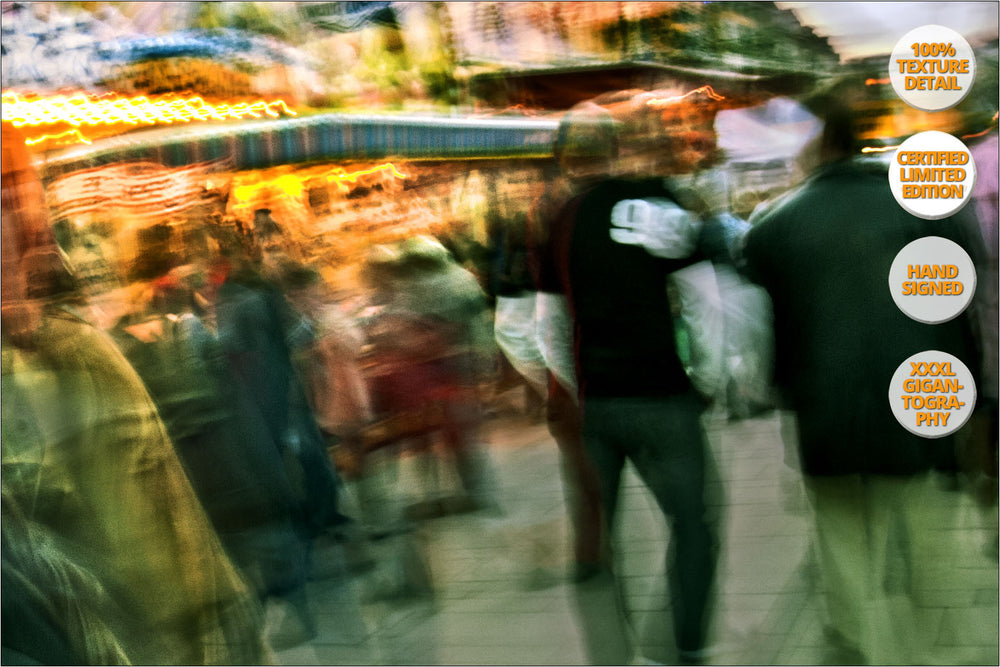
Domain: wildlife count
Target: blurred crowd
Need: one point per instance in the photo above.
(173, 452)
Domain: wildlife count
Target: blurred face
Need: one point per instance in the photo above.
(272, 255)
(587, 142)
(578, 168)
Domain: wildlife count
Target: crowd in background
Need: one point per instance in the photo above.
(167, 477)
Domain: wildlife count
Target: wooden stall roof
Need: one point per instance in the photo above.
(561, 87)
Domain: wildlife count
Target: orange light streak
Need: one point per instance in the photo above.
(82, 109)
(993, 122)
(293, 186)
(708, 90)
(340, 176)
(976, 135)
(75, 134)
(877, 82)
(878, 149)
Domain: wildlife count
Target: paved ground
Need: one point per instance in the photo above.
(480, 588)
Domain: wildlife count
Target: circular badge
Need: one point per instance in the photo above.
(932, 174)
(932, 68)
(932, 394)
(932, 280)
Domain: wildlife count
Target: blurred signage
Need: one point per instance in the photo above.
(136, 188)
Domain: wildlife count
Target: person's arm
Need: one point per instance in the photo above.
(657, 224)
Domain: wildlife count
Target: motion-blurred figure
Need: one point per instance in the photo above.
(515, 309)
(234, 465)
(330, 367)
(432, 348)
(123, 563)
(258, 330)
(745, 386)
(619, 238)
(824, 253)
(261, 332)
(554, 341)
(979, 454)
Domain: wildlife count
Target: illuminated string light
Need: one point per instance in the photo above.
(878, 149)
(82, 109)
(877, 82)
(74, 134)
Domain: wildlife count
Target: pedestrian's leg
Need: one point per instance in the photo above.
(600, 611)
(669, 452)
(909, 633)
(602, 425)
(472, 459)
(840, 508)
(514, 330)
(322, 483)
(580, 480)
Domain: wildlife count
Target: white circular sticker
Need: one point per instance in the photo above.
(932, 174)
(932, 68)
(932, 394)
(932, 279)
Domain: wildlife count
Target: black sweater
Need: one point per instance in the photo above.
(624, 329)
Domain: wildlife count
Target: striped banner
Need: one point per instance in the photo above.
(137, 189)
(328, 137)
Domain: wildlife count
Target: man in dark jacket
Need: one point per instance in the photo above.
(823, 253)
(616, 242)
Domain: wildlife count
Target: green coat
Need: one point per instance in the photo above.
(824, 253)
(86, 459)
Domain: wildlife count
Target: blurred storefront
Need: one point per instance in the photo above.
(365, 122)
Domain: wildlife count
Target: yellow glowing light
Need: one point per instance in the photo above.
(340, 176)
(878, 149)
(293, 185)
(708, 90)
(243, 193)
(74, 134)
(82, 109)
(290, 185)
(877, 82)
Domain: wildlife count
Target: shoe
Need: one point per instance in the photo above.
(991, 548)
(842, 651)
(698, 657)
(289, 622)
(540, 579)
(583, 572)
(735, 641)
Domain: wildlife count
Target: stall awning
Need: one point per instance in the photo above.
(318, 138)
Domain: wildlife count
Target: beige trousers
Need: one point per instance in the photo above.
(871, 539)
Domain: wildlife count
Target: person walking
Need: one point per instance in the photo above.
(823, 253)
(616, 243)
